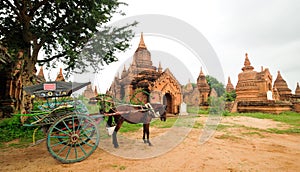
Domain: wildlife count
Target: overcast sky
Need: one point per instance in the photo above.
(268, 30)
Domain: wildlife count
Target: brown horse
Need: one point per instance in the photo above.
(136, 114)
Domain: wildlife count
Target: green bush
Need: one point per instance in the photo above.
(12, 128)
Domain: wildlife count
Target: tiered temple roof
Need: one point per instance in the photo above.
(282, 87)
(203, 87)
(202, 83)
(229, 86)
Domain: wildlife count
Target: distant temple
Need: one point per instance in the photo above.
(60, 76)
(283, 90)
(203, 88)
(229, 86)
(255, 93)
(89, 92)
(252, 85)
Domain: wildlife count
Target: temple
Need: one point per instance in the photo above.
(203, 88)
(254, 91)
(60, 76)
(280, 84)
(142, 82)
(229, 86)
(89, 92)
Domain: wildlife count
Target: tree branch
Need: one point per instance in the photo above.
(52, 58)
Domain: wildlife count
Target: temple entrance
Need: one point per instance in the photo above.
(167, 100)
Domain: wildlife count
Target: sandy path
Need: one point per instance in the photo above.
(231, 149)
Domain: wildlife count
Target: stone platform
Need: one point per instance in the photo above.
(264, 106)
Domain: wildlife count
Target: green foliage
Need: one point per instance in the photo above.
(229, 96)
(196, 110)
(214, 83)
(216, 105)
(64, 29)
(11, 129)
(135, 99)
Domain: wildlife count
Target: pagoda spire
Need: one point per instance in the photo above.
(201, 72)
(282, 87)
(247, 64)
(60, 76)
(96, 91)
(159, 68)
(297, 92)
(229, 86)
(142, 43)
(40, 76)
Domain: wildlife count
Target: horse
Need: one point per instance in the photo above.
(133, 115)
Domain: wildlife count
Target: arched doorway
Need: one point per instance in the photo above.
(167, 100)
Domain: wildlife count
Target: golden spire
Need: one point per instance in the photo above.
(142, 43)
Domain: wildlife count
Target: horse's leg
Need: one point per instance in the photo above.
(109, 121)
(146, 131)
(119, 123)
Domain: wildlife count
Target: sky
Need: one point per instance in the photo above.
(268, 30)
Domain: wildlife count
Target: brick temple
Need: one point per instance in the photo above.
(146, 83)
(255, 92)
(161, 84)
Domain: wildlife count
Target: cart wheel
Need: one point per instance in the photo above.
(72, 138)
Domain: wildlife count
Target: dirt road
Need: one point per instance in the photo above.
(241, 144)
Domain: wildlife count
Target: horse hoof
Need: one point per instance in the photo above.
(145, 141)
(150, 144)
(116, 146)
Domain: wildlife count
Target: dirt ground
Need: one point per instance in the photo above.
(241, 144)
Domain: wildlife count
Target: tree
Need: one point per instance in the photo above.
(214, 83)
(63, 30)
(229, 96)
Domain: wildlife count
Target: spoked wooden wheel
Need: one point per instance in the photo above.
(72, 138)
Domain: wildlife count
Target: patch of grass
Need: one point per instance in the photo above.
(198, 125)
(164, 124)
(196, 110)
(122, 167)
(286, 131)
(12, 129)
(114, 165)
(227, 136)
(126, 127)
(291, 118)
(253, 133)
(223, 127)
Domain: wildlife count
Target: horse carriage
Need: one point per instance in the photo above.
(72, 133)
